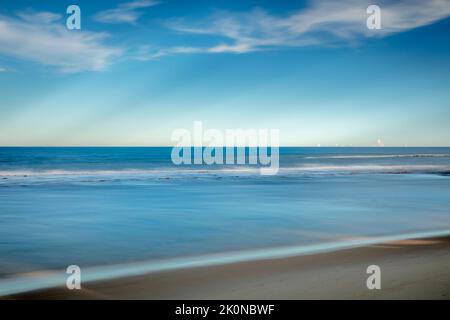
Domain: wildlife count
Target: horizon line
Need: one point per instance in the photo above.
(169, 146)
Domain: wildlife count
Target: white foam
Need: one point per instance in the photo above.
(370, 168)
(381, 156)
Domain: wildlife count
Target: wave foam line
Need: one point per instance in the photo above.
(381, 156)
(52, 279)
(234, 170)
(373, 168)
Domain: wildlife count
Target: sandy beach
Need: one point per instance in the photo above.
(410, 269)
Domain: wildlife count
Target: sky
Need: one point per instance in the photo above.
(137, 70)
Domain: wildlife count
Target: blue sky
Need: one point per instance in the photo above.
(137, 70)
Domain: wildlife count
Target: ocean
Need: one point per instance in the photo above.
(100, 206)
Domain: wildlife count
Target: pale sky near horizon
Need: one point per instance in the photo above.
(139, 69)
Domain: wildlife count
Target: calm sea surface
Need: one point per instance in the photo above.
(101, 206)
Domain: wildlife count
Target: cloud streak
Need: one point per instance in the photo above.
(125, 13)
(42, 37)
(323, 22)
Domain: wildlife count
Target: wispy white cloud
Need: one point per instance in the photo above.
(2, 69)
(322, 22)
(145, 52)
(42, 17)
(128, 12)
(42, 37)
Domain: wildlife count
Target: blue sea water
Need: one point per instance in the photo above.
(101, 206)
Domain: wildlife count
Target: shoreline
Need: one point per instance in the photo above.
(411, 268)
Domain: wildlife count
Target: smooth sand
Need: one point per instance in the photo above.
(410, 269)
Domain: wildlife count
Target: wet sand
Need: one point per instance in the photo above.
(410, 269)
